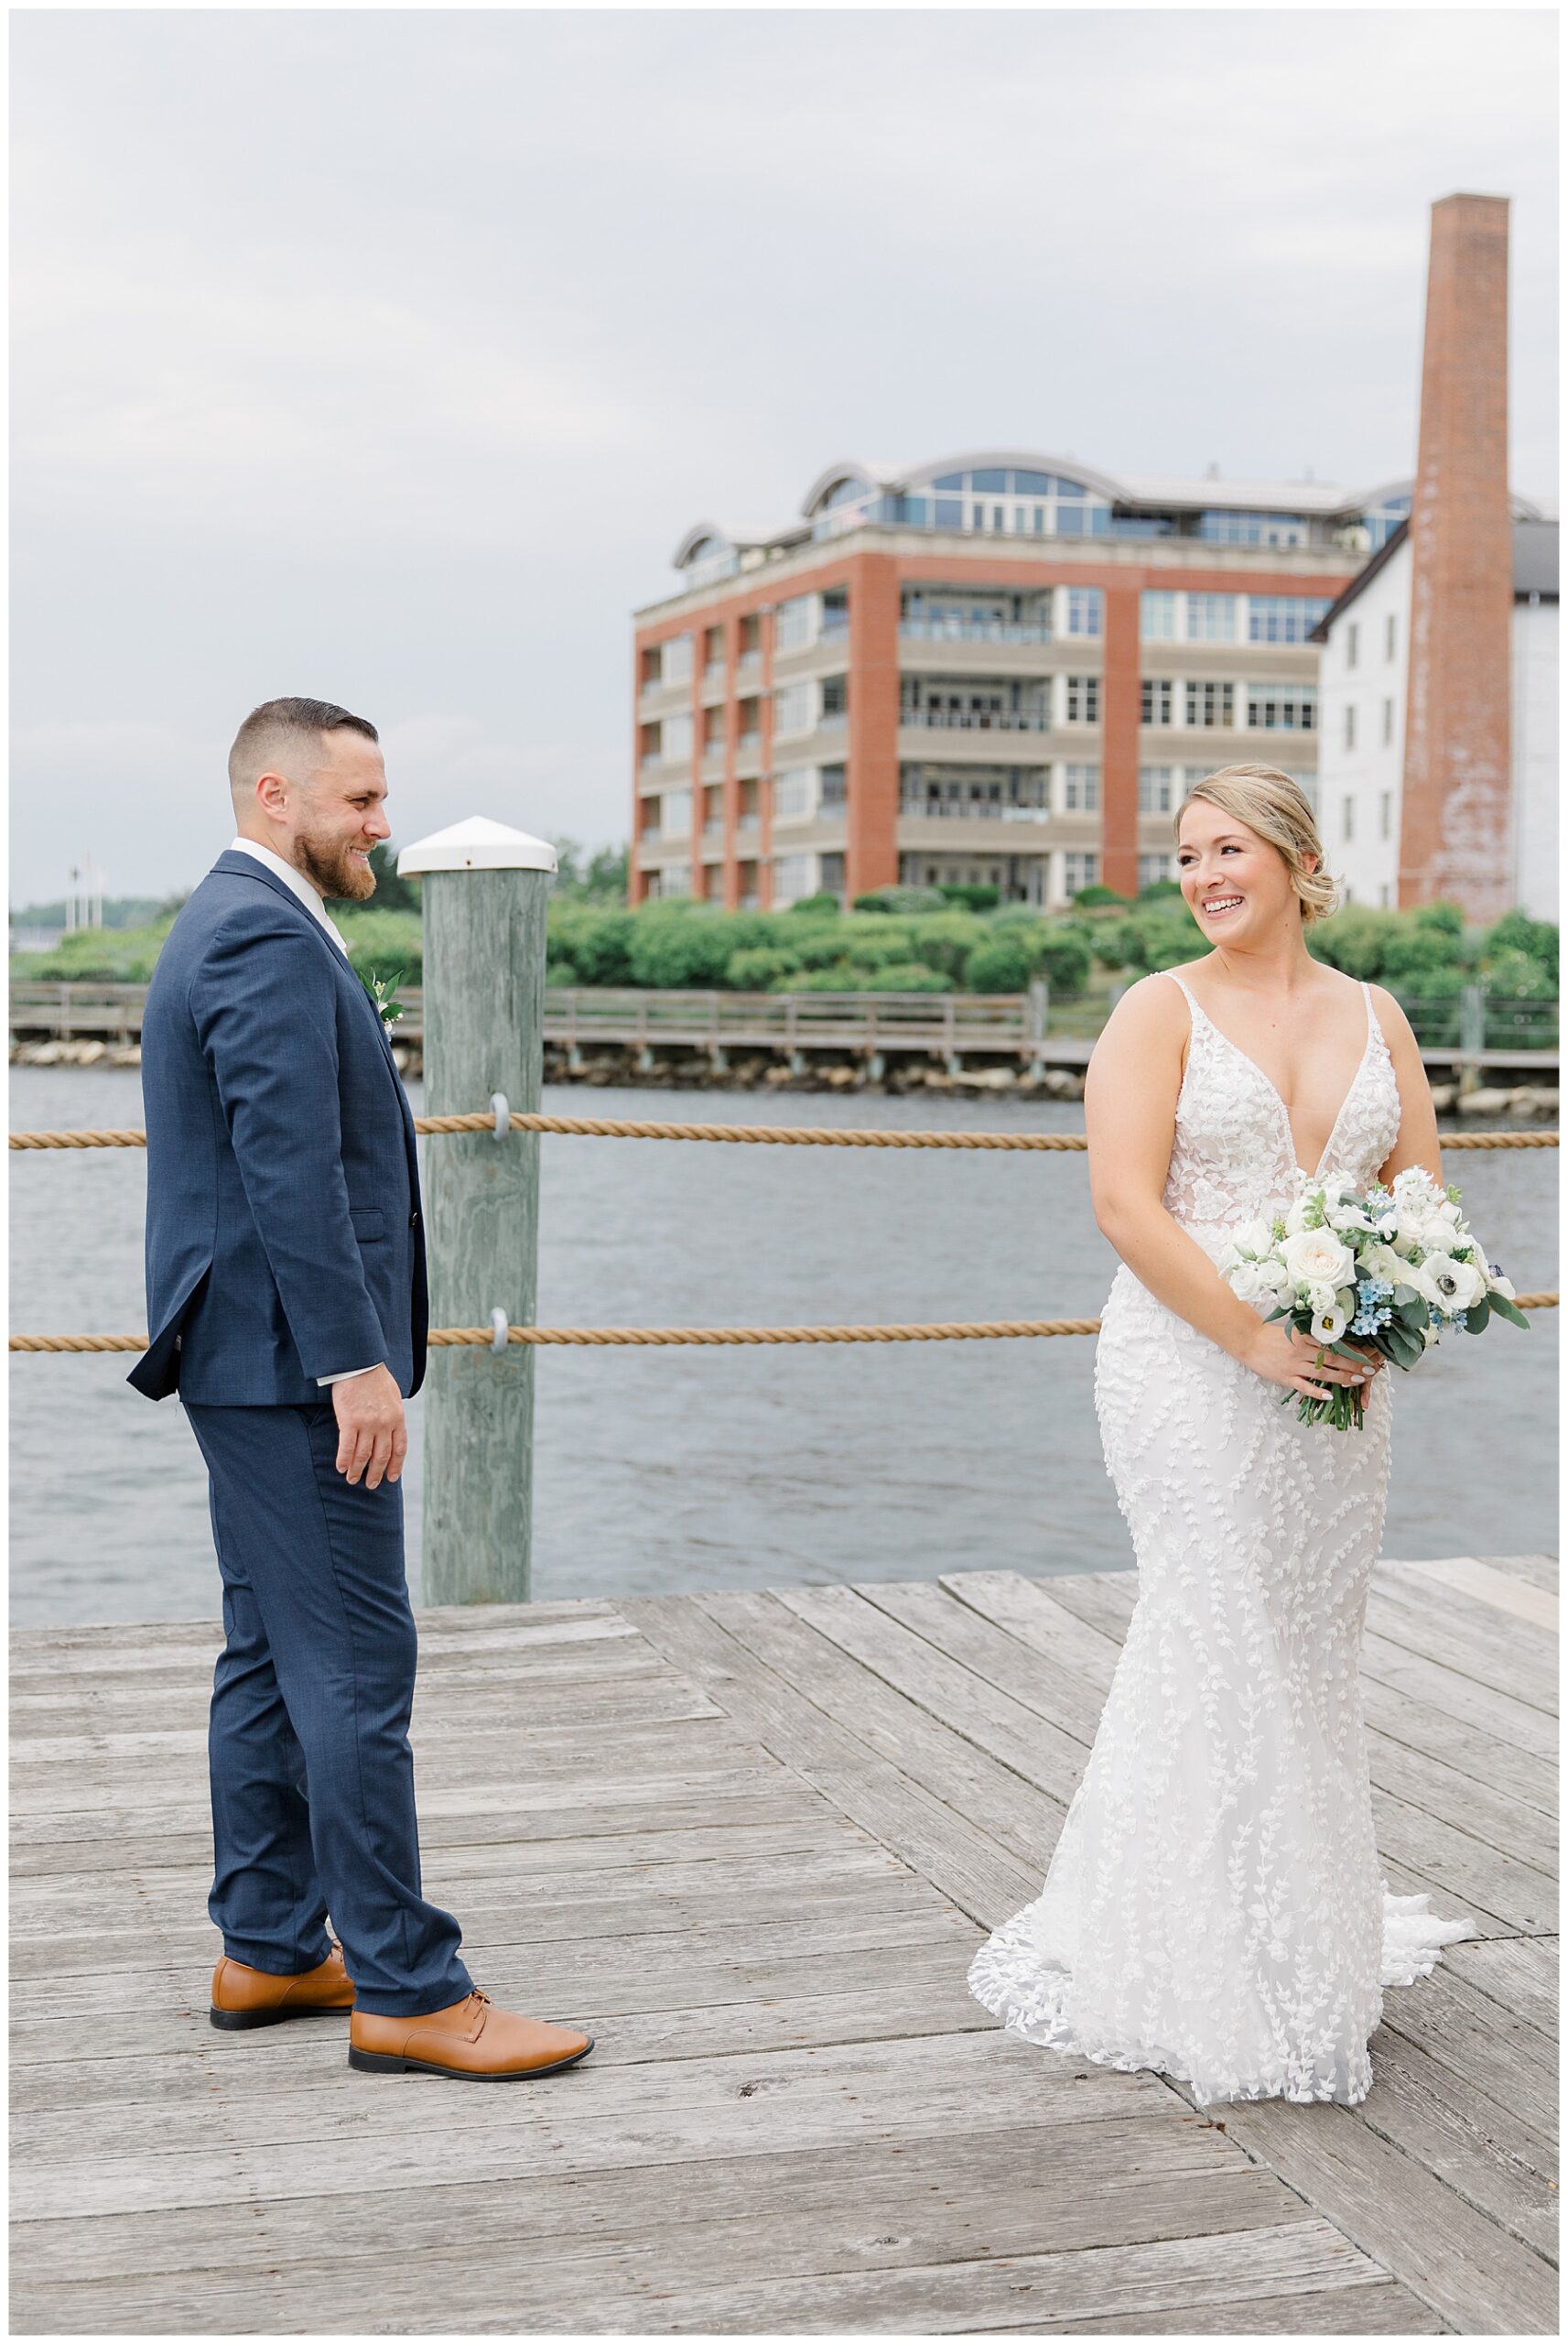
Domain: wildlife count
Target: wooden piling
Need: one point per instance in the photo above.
(484, 895)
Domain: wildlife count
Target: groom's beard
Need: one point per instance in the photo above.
(331, 865)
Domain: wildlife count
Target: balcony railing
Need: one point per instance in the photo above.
(978, 720)
(972, 809)
(956, 630)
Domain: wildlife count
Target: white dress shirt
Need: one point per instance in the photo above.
(297, 884)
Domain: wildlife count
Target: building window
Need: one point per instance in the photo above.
(1224, 529)
(1080, 789)
(1155, 695)
(1211, 618)
(1086, 606)
(1347, 819)
(1350, 726)
(793, 877)
(794, 794)
(675, 739)
(794, 708)
(1156, 788)
(1282, 618)
(1157, 617)
(1385, 813)
(1083, 699)
(676, 816)
(1390, 636)
(1282, 707)
(834, 711)
(1210, 704)
(1079, 871)
(1383, 896)
(832, 788)
(1352, 644)
(1152, 868)
(1387, 723)
(675, 666)
(796, 623)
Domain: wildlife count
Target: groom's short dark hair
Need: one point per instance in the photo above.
(275, 722)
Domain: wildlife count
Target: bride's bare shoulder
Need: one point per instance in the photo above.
(1149, 1024)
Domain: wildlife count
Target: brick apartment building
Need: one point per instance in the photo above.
(1001, 667)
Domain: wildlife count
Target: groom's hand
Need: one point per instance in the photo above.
(373, 1437)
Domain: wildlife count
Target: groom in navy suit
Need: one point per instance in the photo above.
(286, 1305)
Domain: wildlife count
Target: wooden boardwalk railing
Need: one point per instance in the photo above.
(1018, 1025)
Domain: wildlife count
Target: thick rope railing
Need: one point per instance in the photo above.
(637, 1338)
(754, 1134)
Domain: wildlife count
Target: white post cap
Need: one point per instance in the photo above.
(478, 844)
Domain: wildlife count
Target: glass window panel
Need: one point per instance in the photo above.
(1159, 617)
(1071, 488)
(949, 512)
(1070, 521)
(949, 480)
(1031, 484)
(1211, 618)
(987, 480)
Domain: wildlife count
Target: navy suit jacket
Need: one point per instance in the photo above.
(284, 1237)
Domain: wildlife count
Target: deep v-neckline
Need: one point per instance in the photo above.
(1272, 1088)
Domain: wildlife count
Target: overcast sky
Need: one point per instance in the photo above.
(386, 356)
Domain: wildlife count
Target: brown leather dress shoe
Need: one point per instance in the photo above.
(245, 1997)
(470, 2038)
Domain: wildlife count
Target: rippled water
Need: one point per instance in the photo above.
(659, 1471)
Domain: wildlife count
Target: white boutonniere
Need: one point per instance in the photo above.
(382, 991)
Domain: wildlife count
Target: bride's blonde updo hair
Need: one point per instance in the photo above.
(1277, 808)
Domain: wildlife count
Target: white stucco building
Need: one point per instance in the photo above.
(1362, 680)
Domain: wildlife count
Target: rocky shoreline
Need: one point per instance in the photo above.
(619, 1071)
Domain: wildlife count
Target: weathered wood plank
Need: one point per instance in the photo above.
(964, 2295)
(1481, 2150)
(1521, 1973)
(384, 2133)
(924, 1749)
(980, 1876)
(1519, 1598)
(1386, 2309)
(1444, 2250)
(1467, 1638)
(877, 2201)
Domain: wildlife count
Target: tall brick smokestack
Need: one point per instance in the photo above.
(1455, 832)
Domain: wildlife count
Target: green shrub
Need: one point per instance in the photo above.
(893, 976)
(1355, 939)
(813, 907)
(1446, 916)
(1001, 962)
(1517, 932)
(1101, 898)
(119, 956)
(677, 949)
(760, 966)
(388, 945)
(1416, 947)
(976, 898)
(899, 899)
(596, 942)
(1520, 976)
(944, 939)
(1065, 956)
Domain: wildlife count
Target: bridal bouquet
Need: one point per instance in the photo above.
(1394, 1267)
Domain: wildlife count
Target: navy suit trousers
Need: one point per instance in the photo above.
(312, 1775)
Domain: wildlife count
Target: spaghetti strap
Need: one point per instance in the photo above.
(1192, 1003)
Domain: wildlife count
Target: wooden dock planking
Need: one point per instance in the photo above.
(752, 1839)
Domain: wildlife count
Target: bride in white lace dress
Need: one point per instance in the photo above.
(1215, 1907)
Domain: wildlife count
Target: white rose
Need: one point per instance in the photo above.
(1316, 1257)
(1254, 1236)
(1319, 1298)
(1245, 1282)
(1382, 1261)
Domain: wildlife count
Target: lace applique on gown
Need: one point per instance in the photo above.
(1215, 1907)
